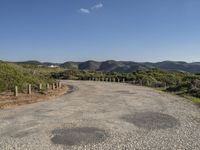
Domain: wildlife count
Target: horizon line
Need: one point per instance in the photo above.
(97, 61)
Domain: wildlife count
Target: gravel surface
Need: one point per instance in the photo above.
(103, 116)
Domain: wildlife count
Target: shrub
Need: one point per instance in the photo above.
(14, 75)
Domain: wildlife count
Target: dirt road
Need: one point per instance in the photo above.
(99, 115)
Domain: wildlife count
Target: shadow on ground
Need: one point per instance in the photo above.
(152, 120)
(78, 136)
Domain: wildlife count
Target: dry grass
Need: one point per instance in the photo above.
(7, 99)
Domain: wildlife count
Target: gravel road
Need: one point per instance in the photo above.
(105, 116)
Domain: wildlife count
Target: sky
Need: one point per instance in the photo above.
(80, 30)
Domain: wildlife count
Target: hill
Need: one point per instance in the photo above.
(129, 66)
(89, 65)
(123, 66)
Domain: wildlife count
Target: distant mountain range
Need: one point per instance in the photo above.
(123, 66)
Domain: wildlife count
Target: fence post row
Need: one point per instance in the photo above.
(29, 88)
(123, 80)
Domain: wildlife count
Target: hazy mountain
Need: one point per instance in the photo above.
(30, 62)
(123, 66)
(110, 65)
(89, 65)
(178, 66)
(70, 65)
(35, 62)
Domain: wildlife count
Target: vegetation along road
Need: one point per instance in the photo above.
(100, 115)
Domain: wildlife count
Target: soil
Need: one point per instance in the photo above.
(7, 99)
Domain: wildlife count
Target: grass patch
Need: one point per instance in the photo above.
(181, 94)
(193, 99)
(15, 75)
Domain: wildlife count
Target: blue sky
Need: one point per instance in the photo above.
(79, 30)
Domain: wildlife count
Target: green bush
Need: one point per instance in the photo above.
(14, 75)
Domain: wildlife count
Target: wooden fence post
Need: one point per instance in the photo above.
(57, 85)
(16, 91)
(40, 86)
(29, 89)
(118, 80)
(133, 82)
(53, 86)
